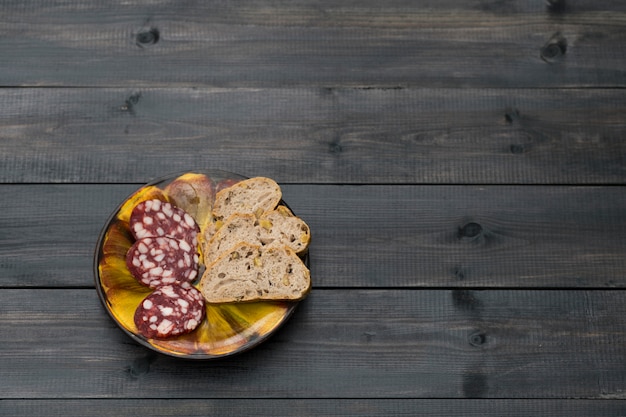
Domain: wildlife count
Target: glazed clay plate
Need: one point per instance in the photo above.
(228, 328)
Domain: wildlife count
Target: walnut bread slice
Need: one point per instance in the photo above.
(253, 273)
(281, 225)
(255, 195)
(276, 226)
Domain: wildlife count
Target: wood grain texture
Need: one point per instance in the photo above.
(363, 236)
(414, 136)
(339, 344)
(272, 43)
(309, 407)
(461, 163)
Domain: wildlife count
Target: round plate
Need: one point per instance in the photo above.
(228, 328)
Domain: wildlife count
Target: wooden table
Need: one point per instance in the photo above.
(462, 165)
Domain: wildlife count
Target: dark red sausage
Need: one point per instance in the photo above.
(171, 310)
(156, 218)
(156, 261)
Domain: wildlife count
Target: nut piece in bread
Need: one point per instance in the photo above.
(255, 195)
(280, 225)
(251, 273)
(276, 226)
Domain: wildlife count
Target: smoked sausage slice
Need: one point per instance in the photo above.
(156, 261)
(156, 218)
(171, 310)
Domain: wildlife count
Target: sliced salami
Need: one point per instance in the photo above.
(156, 261)
(170, 310)
(156, 218)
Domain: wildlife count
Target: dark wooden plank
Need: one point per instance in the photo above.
(371, 236)
(427, 136)
(48, 234)
(270, 43)
(317, 407)
(339, 344)
(467, 236)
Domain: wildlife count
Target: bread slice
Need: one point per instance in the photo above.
(255, 195)
(276, 226)
(280, 225)
(238, 228)
(253, 273)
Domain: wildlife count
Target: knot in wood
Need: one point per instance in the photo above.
(147, 37)
(131, 101)
(518, 148)
(470, 230)
(335, 148)
(466, 300)
(477, 338)
(554, 49)
(512, 115)
(141, 366)
(459, 273)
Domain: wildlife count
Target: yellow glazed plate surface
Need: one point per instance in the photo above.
(227, 328)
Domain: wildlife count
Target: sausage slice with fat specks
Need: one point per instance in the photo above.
(156, 218)
(171, 310)
(156, 261)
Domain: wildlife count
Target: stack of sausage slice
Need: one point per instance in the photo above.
(164, 257)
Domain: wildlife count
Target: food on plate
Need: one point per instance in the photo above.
(156, 218)
(276, 226)
(254, 195)
(248, 216)
(193, 193)
(238, 232)
(170, 310)
(250, 272)
(156, 261)
(148, 192)
(281, 225)
(225, 183)
(165, 257)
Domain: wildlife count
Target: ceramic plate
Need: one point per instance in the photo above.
(228, 328)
